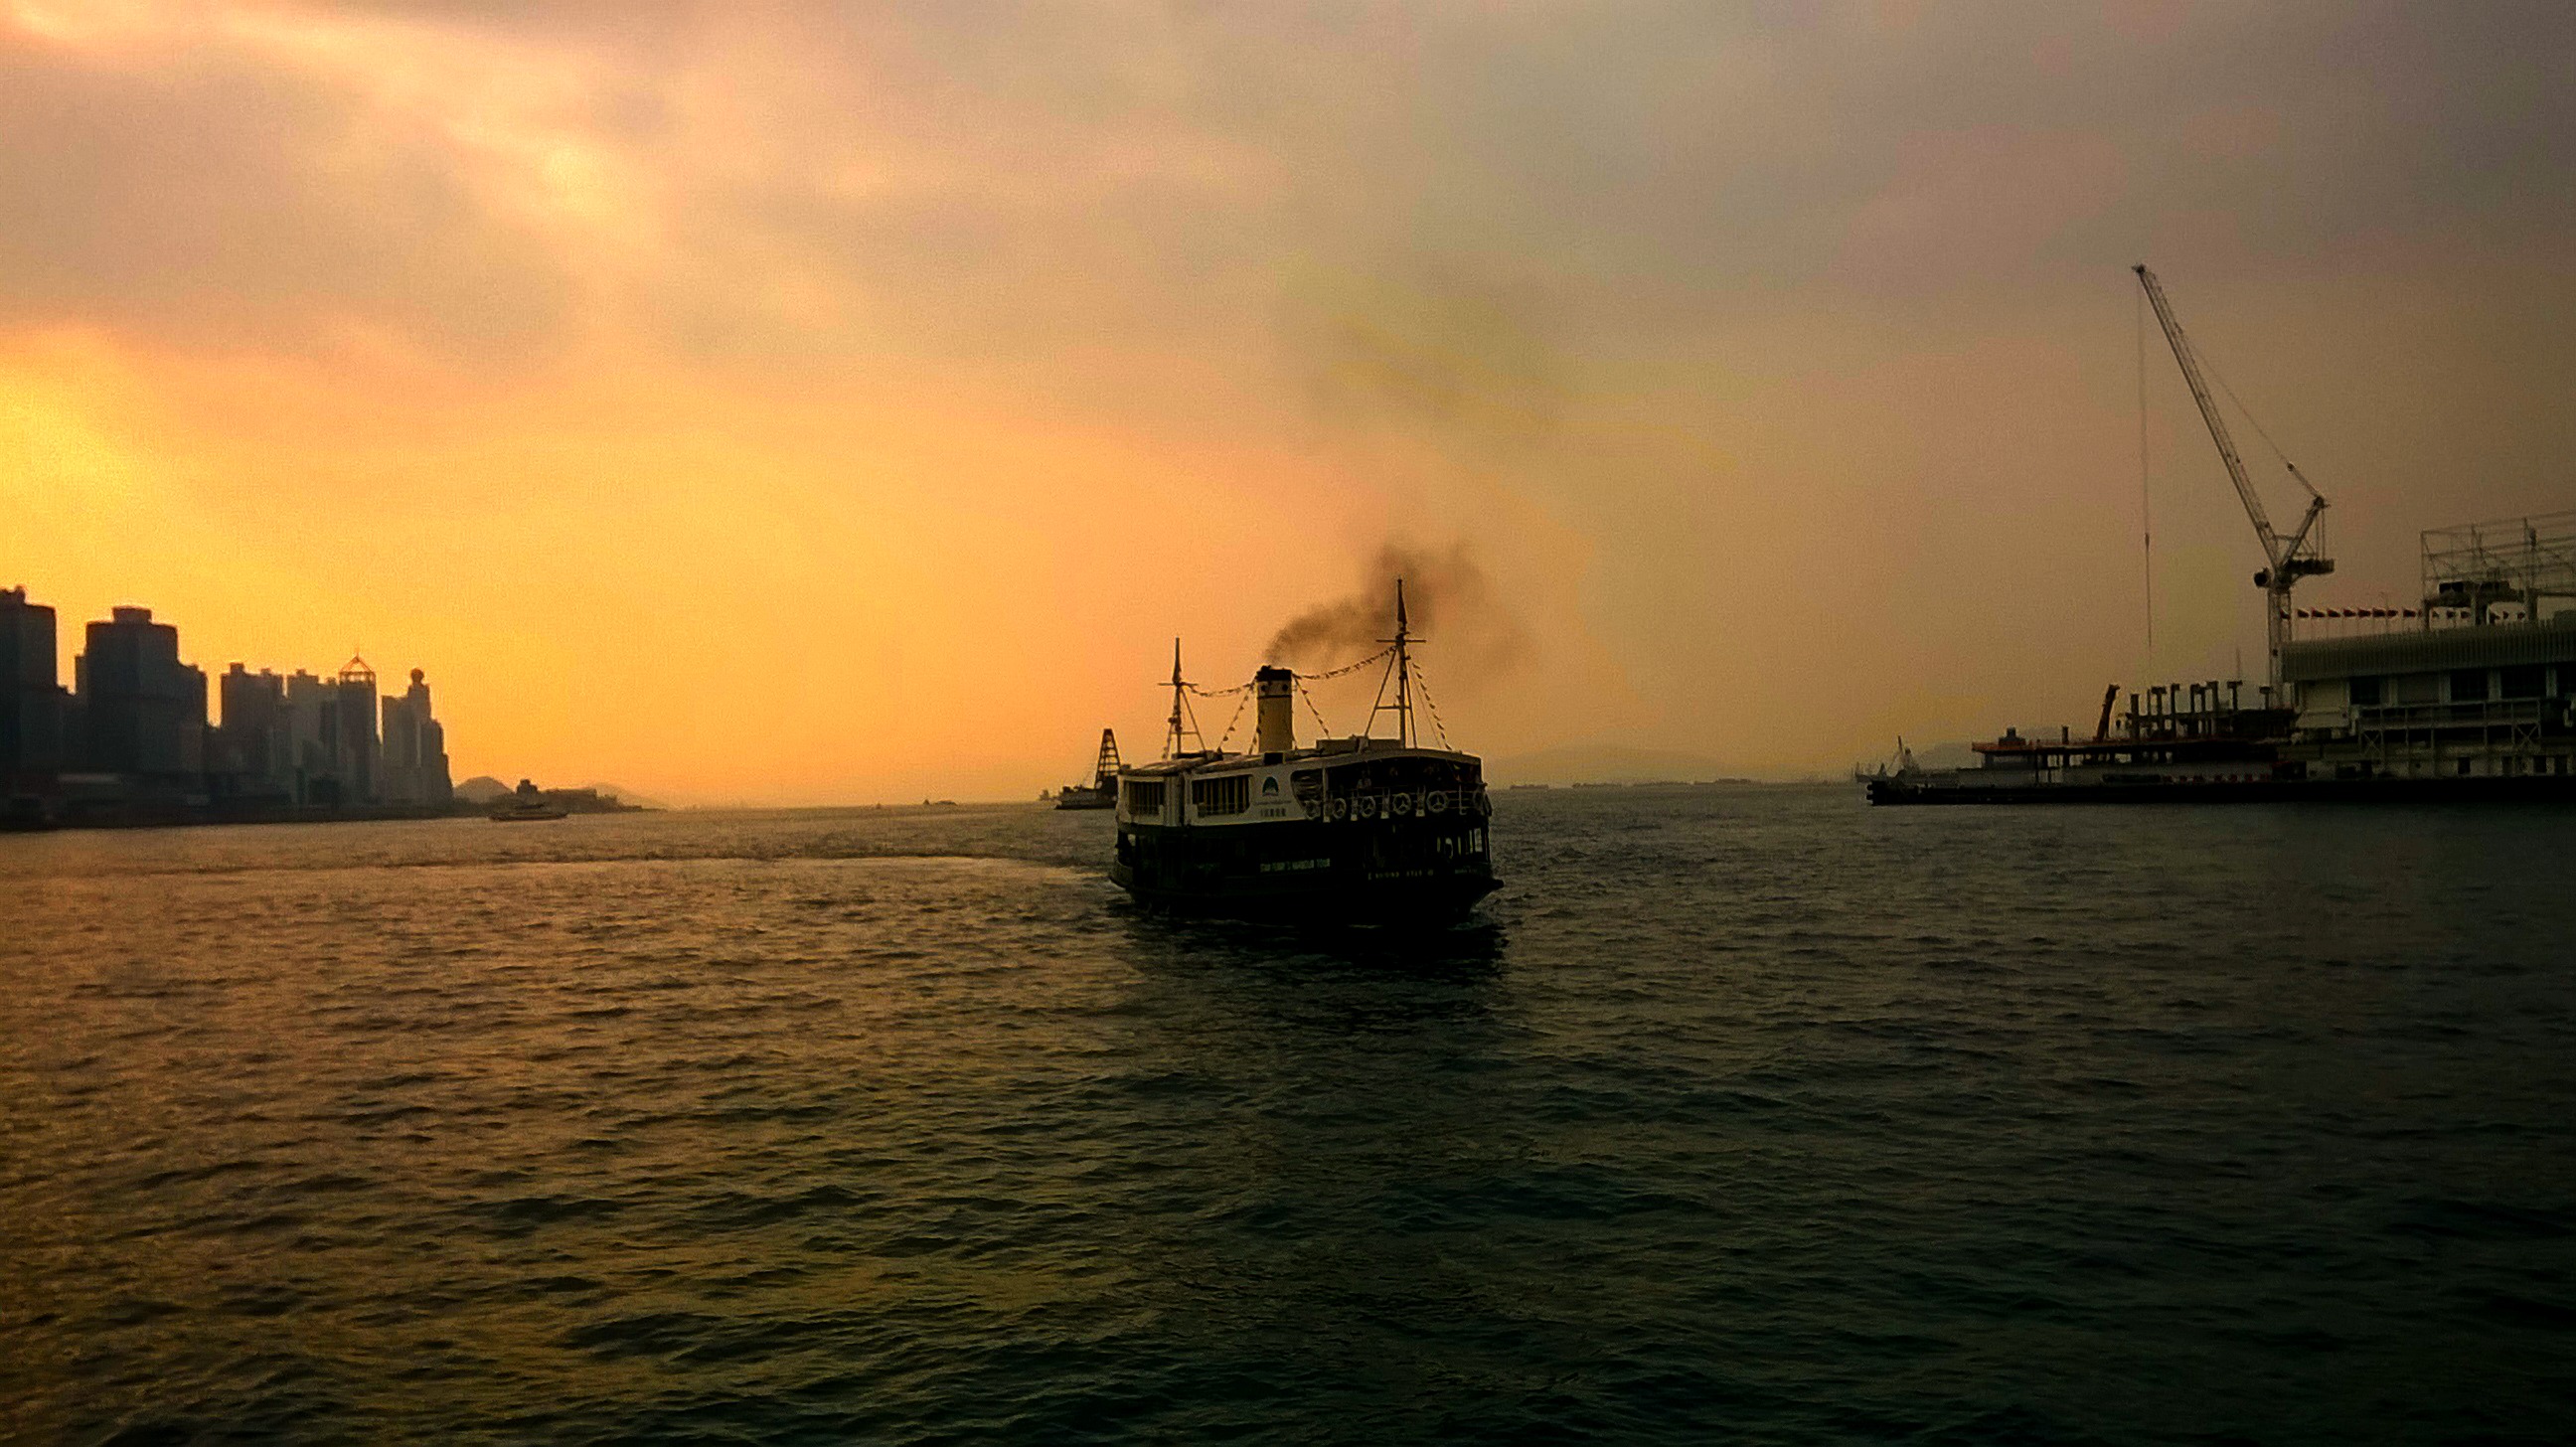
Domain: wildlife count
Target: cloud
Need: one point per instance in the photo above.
(1778, 360)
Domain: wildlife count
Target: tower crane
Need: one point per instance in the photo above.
(2287, 560)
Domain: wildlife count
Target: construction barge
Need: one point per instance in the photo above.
(1360, 829)
(2469, 696)
(2469, 712)
(1102, 791)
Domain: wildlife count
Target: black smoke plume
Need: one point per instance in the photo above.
(1450, 601)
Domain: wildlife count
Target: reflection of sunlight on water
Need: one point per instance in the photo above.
(1266, 986)
(861, 1127)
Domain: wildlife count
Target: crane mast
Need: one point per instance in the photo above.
(2285, 561)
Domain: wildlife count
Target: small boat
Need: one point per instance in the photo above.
(526, 804)
(1358, 829)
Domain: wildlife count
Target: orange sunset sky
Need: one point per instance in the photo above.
(809, 404)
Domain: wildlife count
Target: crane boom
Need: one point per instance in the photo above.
(2285, 562)
(2209, 413)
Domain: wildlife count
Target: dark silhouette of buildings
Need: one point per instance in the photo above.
(131, 742)
(142, 711)
(312, 715)
(353, 733)
(415, 750)
(31, 702)
(252, 751)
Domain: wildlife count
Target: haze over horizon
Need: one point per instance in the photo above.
(781, 405)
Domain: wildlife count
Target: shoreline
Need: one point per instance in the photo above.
(191, 819)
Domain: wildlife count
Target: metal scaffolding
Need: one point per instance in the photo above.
(2511, 570)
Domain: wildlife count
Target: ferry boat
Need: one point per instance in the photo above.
(525, 804)
(1361, 829)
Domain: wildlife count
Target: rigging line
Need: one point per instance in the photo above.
(1304, 693)
(1185, 725)
(1349, 667)
(2247, 413)
(1379, 705)
(1423, 687)
(1190, 730)
(1236, 719)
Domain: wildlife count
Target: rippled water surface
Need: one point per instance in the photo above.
(1745, 1114)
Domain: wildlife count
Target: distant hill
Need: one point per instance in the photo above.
(482, 789)
(1606, 764)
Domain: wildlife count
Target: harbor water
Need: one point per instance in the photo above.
(1743, 1114)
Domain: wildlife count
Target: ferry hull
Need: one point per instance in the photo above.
(1403, 902)
(1424, 873)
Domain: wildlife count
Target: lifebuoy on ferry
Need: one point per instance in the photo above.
(1340, 808)
(1366, 807)
(1402, 804)
(1438, 803)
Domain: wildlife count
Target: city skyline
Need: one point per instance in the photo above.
(917, 375)
(139, 734)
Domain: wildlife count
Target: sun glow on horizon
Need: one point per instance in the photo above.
(779, 407)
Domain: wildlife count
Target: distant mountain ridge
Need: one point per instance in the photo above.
(483, 789)
(1607, 764)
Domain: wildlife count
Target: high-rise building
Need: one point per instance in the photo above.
(143, 712)
(31, 698)
(253, 751)
(415, 749)
(312, 706)
(353, 734)
(331, 750)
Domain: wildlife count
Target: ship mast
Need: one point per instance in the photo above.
(1399, 672)
(1185, 724)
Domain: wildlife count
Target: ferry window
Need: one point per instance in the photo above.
(2365, 692)
(1230, 795)
(2519, 682)
(2469, 685)
(1144, 796)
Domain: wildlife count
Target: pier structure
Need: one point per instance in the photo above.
(2471, 694)
(2481, 685)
